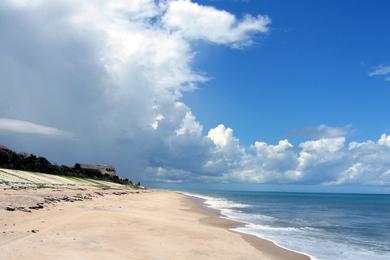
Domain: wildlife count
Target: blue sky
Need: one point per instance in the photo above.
(310, 69)
(288, 94)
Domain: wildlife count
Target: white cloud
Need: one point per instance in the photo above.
(24, 127)
(225, 153)
(154, 125)
(263, 149)
(381, 70)
(221, 136)
(327, 145)
(189, 126)
(369, 163)
(384, 140)
(271, 162)
(195, 21)
(324, 131)
(322, 161)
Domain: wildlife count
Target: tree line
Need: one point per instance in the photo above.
(30, 162)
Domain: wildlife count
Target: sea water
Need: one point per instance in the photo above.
(321, 225)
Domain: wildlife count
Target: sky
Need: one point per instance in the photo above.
(282, 95)
(310, 69)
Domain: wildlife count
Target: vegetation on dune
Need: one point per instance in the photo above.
(24, 162)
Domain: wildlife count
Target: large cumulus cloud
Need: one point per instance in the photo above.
(110, 74)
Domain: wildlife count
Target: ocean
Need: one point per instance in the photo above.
(321, 225)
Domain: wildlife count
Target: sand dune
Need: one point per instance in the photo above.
(26, 179)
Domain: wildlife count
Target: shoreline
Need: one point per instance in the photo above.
(262, 244)
(151, 224)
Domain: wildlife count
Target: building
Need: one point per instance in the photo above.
(102, 168)
(5, 148)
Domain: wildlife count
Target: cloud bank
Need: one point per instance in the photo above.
(24, 127)
(113, 74)
(328, 160)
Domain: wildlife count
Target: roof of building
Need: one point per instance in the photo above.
(94, 165)
(3, 147)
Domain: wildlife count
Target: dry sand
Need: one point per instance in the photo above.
(73, 221)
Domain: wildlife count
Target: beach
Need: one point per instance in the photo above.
(121, 224)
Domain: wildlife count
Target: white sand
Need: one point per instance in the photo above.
(136, 225)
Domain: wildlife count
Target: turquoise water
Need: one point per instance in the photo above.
(322, 225)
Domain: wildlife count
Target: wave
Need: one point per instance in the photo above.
(230, 210)
(218, 203)
(314, 242)
(284, 229)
